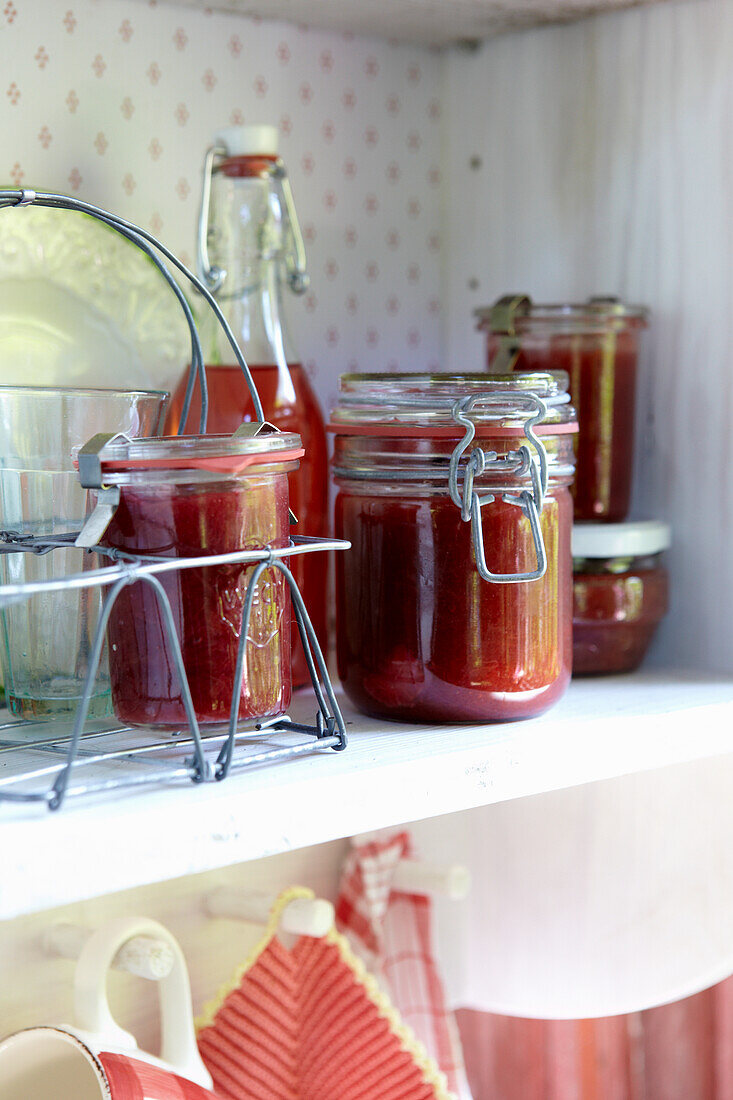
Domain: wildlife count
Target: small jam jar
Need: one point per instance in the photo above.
(597, 344)
(191, 497)
(454, 603)
(619, 593)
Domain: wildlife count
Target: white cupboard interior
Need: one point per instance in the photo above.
(583, 157)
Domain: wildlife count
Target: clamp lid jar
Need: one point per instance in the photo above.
(454, 603)
(195, 497)
(597, 344)
(517, 313)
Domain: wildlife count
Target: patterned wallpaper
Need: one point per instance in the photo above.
(116, 100)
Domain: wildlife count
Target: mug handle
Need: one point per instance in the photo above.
(92, 1011)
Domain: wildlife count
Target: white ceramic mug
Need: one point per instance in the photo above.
(96, 1059)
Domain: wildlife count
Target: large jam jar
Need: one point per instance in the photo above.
(197, 497)
(454, 603)
(620, 593)
(597, 344)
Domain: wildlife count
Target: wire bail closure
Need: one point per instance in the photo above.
(519, 462)
(502, 318)
(211, 276)
(108, 496)
(293, 257)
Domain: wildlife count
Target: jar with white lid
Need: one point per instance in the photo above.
(198, 497)
(454, 603)
(620, 593)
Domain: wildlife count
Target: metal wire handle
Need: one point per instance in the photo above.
(518, 463)
(209, 273)
(151, 246)
(293, 257)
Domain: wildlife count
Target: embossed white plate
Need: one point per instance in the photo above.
(81, 306)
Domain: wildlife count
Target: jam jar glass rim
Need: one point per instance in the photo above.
(200, 479)
(173, 448)
(423, 437)
(429, 398)
(416, 471)
(196, 458)
(593, 315)
(80, 391)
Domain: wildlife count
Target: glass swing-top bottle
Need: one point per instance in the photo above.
(249, 244)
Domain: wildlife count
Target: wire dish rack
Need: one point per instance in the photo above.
(47, 762)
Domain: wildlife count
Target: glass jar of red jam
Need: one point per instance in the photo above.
(597, 344)
(190, 497)
(619, 593)
(454, 603)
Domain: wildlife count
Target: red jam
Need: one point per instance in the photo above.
(616, 611)
(190, 498)
(421, 635)
(599, 352)
(293, 409)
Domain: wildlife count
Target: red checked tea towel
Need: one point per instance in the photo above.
(391, 932)
(309, 1023)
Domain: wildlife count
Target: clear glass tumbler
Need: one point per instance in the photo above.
(45, 642)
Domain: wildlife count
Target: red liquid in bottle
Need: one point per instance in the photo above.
(185, 520)
(421, 635)
(291, 410)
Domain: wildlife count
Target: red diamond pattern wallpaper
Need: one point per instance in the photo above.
(115, 101)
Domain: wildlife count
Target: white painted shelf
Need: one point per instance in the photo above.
(391, 773)
(428, 22)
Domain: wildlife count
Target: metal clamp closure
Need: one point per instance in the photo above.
(294, 257)
(211, 276)
(502, 319)
(250, 429)
(504, 312)
(89, 461)
(517, 463)
(293, 247)
(108, 496)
